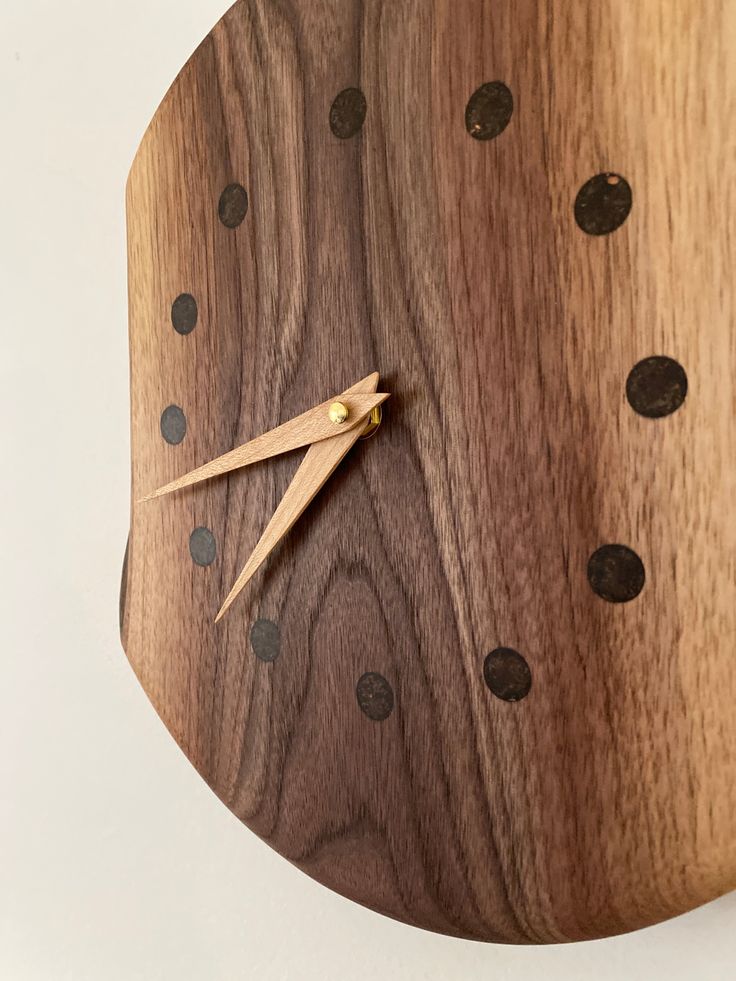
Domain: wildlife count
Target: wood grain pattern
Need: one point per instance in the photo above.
(605, 799)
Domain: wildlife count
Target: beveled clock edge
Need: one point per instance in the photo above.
(122, 604)
(170, 92)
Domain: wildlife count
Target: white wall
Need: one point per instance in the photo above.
(116, 862)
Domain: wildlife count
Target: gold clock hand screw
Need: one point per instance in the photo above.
(338, 413)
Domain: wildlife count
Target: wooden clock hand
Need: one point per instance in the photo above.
(316, 468)
(310, 427)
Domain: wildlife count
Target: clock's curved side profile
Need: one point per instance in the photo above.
(485, 684)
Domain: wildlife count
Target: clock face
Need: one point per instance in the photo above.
(485, 684)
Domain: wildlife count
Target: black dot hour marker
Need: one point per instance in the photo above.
(347, 113)
(507, 674)
(173, 425)
(656, 387)
(233, 205)
(603, 204)
(265, 639)
(202, 547)
(616, 573)
(184, 314)
(375, 696)
(489, 111)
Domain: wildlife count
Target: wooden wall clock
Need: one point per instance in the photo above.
(486, 682)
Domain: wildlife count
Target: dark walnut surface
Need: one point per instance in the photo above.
(486, 685)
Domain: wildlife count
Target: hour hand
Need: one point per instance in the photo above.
(313, 426)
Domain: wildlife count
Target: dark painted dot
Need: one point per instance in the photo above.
(347, 113)
(375, 696)
(123, 588)
(507, 674)
(173, 425)
(616, 573)
(489, 111)
(265, 639)
(202, 546)
(233, 205)
(656, 387)
(184, 314)
(603, 204)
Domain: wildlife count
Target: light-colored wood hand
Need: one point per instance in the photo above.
(318, 465)
(310, 427)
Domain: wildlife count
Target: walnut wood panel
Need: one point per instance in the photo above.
(604, 800)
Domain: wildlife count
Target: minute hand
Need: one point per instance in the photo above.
(316, 468)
